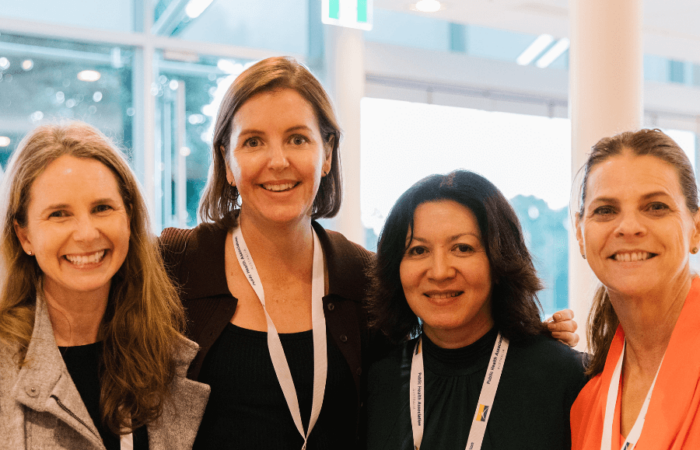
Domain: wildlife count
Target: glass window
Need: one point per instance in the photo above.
(188, 94)
(48, 80)
(416, 140)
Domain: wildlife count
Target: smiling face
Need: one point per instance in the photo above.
(277, 156)
(446, 275)
(77, 226)
(636, 230)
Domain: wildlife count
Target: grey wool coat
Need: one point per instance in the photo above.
(40, 407)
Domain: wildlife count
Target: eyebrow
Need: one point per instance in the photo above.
(288, 130)
(644, 197)
(451, 239)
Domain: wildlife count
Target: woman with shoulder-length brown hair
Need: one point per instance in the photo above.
(260, 274)
(91, 350)
(637, 227)
(453, 272)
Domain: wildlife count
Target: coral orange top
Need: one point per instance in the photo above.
(672, 421)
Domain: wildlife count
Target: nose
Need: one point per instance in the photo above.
(442, 268)
(85, 229)
(278, 158)
(630, 225)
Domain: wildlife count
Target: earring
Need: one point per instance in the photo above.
(583, 256)
(29, 253)
(694, 250)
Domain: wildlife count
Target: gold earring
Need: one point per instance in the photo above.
(694, 250)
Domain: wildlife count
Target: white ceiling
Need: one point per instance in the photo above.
(671, 27)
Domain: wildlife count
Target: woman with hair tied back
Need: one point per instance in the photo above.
(91, 350)
(482, 371)
(637, 227)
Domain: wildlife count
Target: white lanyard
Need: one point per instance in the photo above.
(633, 436)
(127, 441)
(279, 360)
(486, 398)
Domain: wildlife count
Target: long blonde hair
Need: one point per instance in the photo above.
(144, 318)
(602, 320)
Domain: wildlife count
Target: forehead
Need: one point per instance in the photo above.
(444, 217)
(70, 178)
(629, 175)
(277, 107)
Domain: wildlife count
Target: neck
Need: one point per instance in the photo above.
(75, 317)
(451, 338)
(648, 321)
(281, 245)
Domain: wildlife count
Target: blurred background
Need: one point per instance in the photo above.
(420, 87)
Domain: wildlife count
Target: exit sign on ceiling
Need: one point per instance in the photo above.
(348, 13)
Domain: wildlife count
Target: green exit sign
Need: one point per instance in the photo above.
(348, 13)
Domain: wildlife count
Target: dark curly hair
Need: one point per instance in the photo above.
(514, 304)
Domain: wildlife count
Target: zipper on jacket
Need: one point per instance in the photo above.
(65, 408)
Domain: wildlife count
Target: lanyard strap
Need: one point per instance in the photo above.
(636, 432)
(127, 442)
(486, 398)
(279, 360)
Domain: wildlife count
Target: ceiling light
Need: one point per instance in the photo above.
(534, 49)
(428, 6)
(27, 64)
(4, 141)
(89, 75)
(196, 7)
(230, 67)
(4, 63)
(553, 53)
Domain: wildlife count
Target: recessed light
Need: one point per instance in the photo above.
(4, 141)
(427, 6)
(27, 64)
(89, 75)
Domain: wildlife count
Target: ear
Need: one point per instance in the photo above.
(229, 174)
(327, 163)
(23, 238)
(695, 239)
(579, 235)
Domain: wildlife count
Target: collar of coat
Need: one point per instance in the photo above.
(44, 384)
(204, 260)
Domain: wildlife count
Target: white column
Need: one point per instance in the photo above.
(606, 83)
(345, 70)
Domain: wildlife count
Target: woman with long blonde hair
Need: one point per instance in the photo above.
(91, 347)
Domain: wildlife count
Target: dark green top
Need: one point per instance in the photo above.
(540, 381)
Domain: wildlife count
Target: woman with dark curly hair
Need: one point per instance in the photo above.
(453, 272)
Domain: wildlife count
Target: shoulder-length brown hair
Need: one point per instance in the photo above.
(144, 318)
(602, 320)
(219, 203)
(514, 304)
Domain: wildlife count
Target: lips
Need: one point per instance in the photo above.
(85, 259)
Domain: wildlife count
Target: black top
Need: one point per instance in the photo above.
(195, 259)
(247, 409)
(540, 381)
(83, 364)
